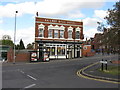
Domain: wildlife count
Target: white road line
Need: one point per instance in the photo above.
(32, 77)
(30, 86)
(22, 72)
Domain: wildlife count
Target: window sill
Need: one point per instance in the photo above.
(40, 37)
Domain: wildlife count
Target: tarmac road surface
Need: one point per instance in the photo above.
(53, 74)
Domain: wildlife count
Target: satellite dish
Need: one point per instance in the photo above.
(6, 37)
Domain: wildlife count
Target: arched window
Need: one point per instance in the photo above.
(70, 30)
(61, 33)
(77, 33)
(62, 28)
(50, 31)
(41, 30)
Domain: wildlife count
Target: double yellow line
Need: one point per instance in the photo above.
(87, 77)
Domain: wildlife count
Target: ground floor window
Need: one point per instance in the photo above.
(60, 50)
(63, 50)
(52, 51)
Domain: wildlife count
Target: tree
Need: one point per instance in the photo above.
(110, 35)
(113, 17)
(30, 46)
(101, 27)
(17, 47)
(21, 45)
(7, 42)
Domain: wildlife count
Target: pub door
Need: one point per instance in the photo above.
(78, 54)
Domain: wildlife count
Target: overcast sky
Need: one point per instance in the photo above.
(89, 11)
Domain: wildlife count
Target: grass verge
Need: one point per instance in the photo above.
(114, 70)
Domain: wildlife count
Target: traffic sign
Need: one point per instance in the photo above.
(105, 62)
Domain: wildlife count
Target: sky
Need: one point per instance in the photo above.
(88, 11)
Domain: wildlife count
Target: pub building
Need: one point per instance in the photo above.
(59, 39)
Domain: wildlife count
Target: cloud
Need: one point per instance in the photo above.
(90, 32)
(91, 22)
(1, 21)
(22, 8)
(26, 34)
(18, 1)
(47, 7)
(100, 13)
(76, 14)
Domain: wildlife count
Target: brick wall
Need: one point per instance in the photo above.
(10, 55)
(87, 51)
(21, 56)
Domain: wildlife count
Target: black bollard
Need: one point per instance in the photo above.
(102, 66)
(106, 65)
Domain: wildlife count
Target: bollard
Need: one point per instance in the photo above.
(106, 65)
(102, 66)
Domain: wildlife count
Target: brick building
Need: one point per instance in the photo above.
(58, 38)
(98, 42)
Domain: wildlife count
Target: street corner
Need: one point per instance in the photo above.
(84, 74)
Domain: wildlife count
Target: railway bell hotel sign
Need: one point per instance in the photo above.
(58, 21)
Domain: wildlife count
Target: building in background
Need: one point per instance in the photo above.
(98, 42)
(107, 42)
(89, 47)
(58, 38)
(3, 52)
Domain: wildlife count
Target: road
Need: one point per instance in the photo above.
(53, 74)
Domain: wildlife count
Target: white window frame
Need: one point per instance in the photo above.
(63, 34)
(50, 27)
(41, 26)
(76, 35)
(76, 30)
(56, 27)
(70, 29)
(54, 34)
(49, 33)
(62, 28)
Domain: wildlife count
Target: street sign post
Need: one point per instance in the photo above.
(102, 66)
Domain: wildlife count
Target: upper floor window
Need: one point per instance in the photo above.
(70, 30)
(55, 33)
(61, 33)
(41, 30)
(50, 33)
(69, 34)
(77, 35)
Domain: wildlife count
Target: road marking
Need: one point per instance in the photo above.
(32, 77)
(80, 75)
(22, 72)
(30, 86)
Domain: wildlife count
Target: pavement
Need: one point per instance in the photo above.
(92, 72)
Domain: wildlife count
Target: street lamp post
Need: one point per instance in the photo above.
(15, 36)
